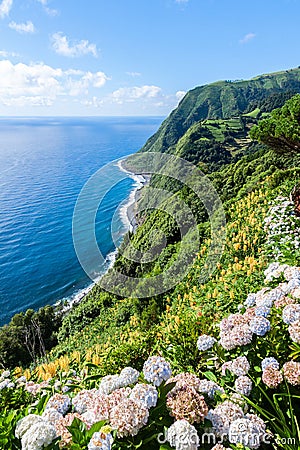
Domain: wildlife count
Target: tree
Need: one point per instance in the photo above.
(281, 130)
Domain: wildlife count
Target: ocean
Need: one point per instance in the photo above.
(44, 163)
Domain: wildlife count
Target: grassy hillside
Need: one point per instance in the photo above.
(221, 100)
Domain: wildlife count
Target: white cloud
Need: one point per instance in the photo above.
(27, 27)
(181, 1)
(179, 95)
(133, 74)
(5, 7)
(131, 94)
(247, 38)
(5, 54)
(40, 84)
(81, 86)
(49, 11)
(63, 46)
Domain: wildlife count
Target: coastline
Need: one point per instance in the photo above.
(128, 217)
(128, 211)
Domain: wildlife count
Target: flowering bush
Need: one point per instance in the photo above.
(233, 376)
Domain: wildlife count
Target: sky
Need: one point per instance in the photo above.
(135, 57)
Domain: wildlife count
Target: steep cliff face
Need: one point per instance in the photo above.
(220, 100)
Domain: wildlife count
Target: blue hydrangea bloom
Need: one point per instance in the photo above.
(270, 361)
(291, 313)
(156, 370)
(250, 300)
(205, 342)
(262, 311)
(145, 393)
(260, 325)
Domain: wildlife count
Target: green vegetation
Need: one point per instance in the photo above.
(106, 332)
(222, 100)
(281, 130)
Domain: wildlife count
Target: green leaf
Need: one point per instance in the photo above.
(210, 376)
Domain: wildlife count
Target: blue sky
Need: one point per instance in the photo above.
(135, 57)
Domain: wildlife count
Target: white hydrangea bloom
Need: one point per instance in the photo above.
(101, 441)
(109, 384)
(27, 422)
(246, 432)
(38, 436)
(183, 436)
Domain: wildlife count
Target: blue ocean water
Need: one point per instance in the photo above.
(44, 163)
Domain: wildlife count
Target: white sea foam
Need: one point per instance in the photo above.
(140, 181)
(68, 302)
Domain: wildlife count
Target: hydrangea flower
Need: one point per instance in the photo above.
(61, 427)
(101, 441)
(183, 436)
(40, 435)
(250, 300)
(205, 342)
(5, 374)
(246, 432)
(26, 423)
(209, 388)
(293, 284)
(272, 377)
(223, 415)
(240, 366)
(128, 417)
(59, 402)
(83, 400)
(239, 335)
(260, 326)
(156, 370)
(6, 383)
(249, 314)
(52, 415)
(262, 311)
(270, 361)
(266, 300)
(109, 384)
(294, 331)
(260, 424)
(274, 270)
(128, 376)
(113, 399)
(281, 303)
(238, 399)
(291, 372)
(98, 406)
(186, 403)
(145, 393)
(291, 313)
(291, 272)
(186, 379)
(243, 385)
